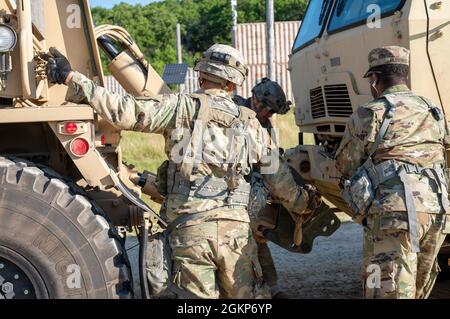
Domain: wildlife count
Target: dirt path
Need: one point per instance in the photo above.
(331, 270)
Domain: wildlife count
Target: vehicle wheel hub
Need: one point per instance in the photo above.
(14, 283)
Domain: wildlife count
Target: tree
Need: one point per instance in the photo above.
(203, 24)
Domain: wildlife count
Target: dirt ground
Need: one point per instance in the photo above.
(330, 271)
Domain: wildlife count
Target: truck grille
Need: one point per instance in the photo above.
(333, 101)
(338, 101)
(317, 103)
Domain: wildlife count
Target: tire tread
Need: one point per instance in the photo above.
(76, 206)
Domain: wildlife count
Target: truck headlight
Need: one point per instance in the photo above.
(8, 38)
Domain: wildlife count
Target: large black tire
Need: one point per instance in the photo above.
(49, 234)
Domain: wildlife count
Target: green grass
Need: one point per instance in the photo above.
(288, 131)
(145, 151)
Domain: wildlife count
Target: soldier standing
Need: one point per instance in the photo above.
(213, 250)
(393, 162)
(268, 98)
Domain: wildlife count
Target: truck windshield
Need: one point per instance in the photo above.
(351, 12)
(312, 25)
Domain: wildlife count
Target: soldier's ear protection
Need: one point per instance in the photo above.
(374, 83)
(374, 86)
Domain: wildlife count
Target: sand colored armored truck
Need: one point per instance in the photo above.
(66, 199)
(329, 59)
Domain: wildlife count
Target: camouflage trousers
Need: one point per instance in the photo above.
(390, 269)
(268, 267)
(218, 259)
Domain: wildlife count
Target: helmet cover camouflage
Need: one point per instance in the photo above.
(272, 96)
(388, 55)
(225, 62)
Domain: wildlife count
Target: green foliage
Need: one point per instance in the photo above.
(203, 23)
(285, 10)
(151, 26)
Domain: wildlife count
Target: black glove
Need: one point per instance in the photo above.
(58, 67)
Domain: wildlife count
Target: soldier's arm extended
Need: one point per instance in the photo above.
(154, 114)
(284, 188)
(125, 112)
(299, 200)
(266, 159)
(359, 135)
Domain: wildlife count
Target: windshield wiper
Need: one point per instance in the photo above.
(340, 7)
(323, 11)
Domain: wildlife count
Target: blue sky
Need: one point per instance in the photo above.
(111, 3)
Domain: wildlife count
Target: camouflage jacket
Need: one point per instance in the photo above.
(414, 137)
(168, 113)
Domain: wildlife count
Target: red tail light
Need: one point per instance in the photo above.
(73, 128)
(79, 147)
(70, 127)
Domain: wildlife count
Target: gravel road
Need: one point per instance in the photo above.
(331, 270)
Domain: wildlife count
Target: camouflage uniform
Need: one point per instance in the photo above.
(214, 256)
(264, 255)
(415, 136)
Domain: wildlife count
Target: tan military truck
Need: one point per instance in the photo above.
(66, 199)
(329, 59)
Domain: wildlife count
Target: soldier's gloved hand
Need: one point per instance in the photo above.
(315, 198)
(58, 67)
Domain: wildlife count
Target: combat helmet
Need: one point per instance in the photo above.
(272, 96)
(222, 62)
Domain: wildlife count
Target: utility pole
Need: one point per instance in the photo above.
(270, 23)
(179, 47)
(235, 20)
(179, 54)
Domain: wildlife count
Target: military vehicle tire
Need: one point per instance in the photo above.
(55, 243)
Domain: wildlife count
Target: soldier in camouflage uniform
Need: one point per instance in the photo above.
(396, 144)
(268, 98)
(214, 253)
